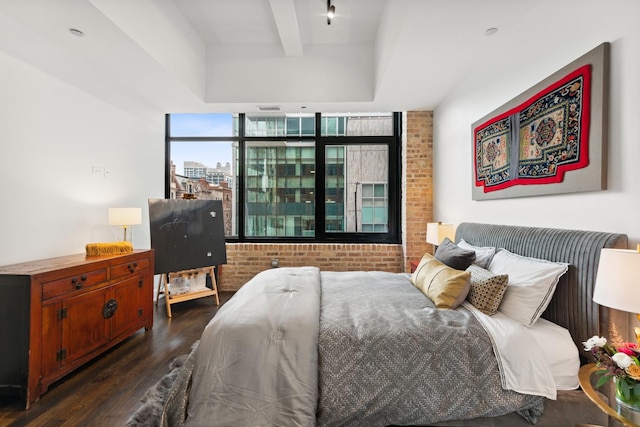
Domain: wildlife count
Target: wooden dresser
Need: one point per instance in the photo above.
(58, 313)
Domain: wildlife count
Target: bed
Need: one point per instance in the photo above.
(303, 347)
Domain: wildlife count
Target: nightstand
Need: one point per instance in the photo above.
(414, 265)
(621, 414)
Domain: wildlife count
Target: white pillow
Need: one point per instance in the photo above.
(559, 351)
(531, 284)
(483, 254)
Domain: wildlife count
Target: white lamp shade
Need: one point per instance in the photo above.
(125, 216)
(618, 280)
(437, 231)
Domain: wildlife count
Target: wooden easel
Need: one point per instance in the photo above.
(165, 279)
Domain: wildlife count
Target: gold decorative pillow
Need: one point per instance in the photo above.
(487, 289)
(445, 286)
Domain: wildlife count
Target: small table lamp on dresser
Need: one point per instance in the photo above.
(438, 231)
(125, 218)
(616, 286)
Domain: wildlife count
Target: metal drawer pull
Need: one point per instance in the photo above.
(132, 267)
(109, 308)
(78, 285)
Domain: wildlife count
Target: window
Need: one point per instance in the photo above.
(346, 168)
(378, 124)
(201, 152)
(279, 189)
(291, 177)
(280, 125)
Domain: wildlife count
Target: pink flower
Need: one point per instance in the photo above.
(629, 348)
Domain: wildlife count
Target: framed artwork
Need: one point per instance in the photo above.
(551, 139)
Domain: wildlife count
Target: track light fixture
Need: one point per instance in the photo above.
(331, 12)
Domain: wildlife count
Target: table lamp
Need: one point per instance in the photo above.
(437, 231)
(125, 217)
(618, 281)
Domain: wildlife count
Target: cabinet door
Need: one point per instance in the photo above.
(132, 309)
(51, 335)
(84, 328)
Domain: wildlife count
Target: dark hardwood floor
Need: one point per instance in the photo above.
(107, 390)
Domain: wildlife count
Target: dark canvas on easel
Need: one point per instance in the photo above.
(186, 234)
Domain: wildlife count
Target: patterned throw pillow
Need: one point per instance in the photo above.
(486, 289)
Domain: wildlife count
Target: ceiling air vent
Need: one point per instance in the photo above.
(269, 107)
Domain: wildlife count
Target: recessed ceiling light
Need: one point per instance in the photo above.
(490, 31)
(76, 32)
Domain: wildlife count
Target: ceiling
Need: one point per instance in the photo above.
(247, 55)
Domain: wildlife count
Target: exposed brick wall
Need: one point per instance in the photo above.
(245, 260)
(417, 184)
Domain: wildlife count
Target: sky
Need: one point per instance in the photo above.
(207, 153)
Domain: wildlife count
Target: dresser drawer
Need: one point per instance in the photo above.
(130, 267)
(73, 283)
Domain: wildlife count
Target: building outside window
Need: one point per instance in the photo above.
(334, 193)
(374, 207)
(325, 177)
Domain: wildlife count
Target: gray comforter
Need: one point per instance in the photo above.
(300, 347)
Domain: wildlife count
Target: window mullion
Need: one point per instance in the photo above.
(320, 190)
(240, 175)
(167, 156)
(320, 164)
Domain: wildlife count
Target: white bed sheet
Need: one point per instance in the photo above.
(538, 360)
(560, 352)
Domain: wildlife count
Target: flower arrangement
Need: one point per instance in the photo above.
(619, 361)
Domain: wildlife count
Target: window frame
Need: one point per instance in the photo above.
(394, 189)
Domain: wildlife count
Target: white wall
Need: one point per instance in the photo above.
(51, 137)
(496, 80)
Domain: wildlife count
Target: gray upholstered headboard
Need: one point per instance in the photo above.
(572, 306)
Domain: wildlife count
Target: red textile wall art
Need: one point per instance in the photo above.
(540, 139)
(551, 139)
